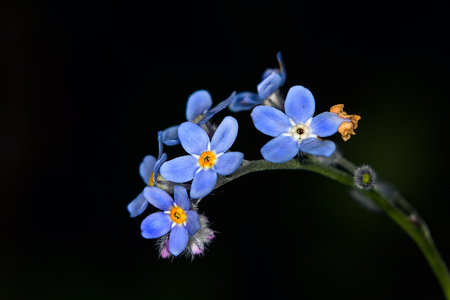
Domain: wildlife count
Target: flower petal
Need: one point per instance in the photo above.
(203, 183)
(244, 101)
(156, 225)
(170, 136)
(178, 239)
(280, 149)
(270, 121)
(193, 222)
(138, 205)
(158, 164)
(225, 135)
(146, 168)
(158, 198)
(325, 124)
(181, 197)
(299, 104)
(269, 85)
(160, 144)
(228, 163)
(198, 104)
(193, 138)
(216, 109)
(282, 68)
(180, 169)
(317, 147)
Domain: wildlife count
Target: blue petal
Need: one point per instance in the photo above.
(216, 109)
(203, 183)
(156, 225)
(282, 68)
(193, 138)
(266, 73)
(228, 163)
(198, 103)
(280, 149)
(269, 85)
(137, 206)
(299, 104)
(158, 198)
(160, 144)
(225, 135)
(170, 136)
(181, 197)
(317, 147)
(180, 169)
(192, 222)
(158, 164)
(146, 168)
(270, 121)
(244, 101)
(178, 239)
(325, 124)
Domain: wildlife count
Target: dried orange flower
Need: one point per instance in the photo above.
(346, 129)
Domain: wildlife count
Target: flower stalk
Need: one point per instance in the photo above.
(396, 207)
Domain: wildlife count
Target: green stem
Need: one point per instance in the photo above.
(394, 205)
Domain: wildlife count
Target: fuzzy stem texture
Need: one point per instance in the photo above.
(396, 207)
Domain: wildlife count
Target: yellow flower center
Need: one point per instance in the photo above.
(207, 159)
(178, 215)
(150, 182)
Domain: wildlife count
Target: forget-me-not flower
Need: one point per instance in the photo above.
(197, 107)
(272, 80)
(296, 129)
(175, 217)
(207, 158)
(148, 170)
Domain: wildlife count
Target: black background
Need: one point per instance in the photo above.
(85, 86)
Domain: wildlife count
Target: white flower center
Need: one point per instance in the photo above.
(300, 132)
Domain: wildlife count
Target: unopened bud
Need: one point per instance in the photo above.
(365, 177)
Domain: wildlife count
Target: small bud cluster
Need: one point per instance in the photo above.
(365, 177)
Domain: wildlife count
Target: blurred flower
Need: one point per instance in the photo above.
(175, 217)
(197, 111)
(207, 158)
(148, 170)
(272, 80)
(365, 177)
(296, 129)
(244, 101)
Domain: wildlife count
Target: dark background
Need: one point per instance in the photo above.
(85, 87)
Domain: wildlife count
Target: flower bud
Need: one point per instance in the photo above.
(365, 177)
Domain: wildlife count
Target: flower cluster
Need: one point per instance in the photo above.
(178, 226)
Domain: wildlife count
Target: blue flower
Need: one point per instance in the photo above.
(207, 158)
(148, 168)
(272, 80)
(198, 107)
(244, 101)
(175, 217)
(297, 129)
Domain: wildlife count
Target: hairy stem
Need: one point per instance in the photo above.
(393, 204)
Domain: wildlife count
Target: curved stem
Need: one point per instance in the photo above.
(393, 204)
